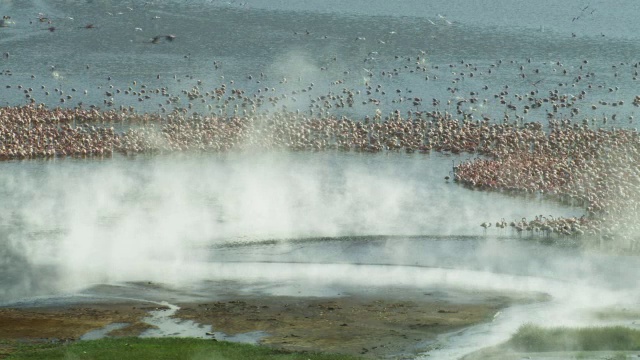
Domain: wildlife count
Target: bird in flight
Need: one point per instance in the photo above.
(156, 39)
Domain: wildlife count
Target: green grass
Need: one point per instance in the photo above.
(533, 338)
(160, 349)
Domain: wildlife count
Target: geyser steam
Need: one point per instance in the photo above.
(117, 220)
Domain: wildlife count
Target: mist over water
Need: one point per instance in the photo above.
(288, 223)
(114, 220)
(322, 223)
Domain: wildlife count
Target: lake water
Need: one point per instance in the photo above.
(71, 223)
(460, 48)
(98, 221)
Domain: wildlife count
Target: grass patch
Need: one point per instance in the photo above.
(160, 349)
(617, 314)
(533, 338)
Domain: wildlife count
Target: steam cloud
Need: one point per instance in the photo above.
(114, 220)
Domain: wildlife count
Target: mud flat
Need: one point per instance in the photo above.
(378, 323)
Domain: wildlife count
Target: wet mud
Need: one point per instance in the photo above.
(395, 323)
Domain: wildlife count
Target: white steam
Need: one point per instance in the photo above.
(113, 220)
(172, 219)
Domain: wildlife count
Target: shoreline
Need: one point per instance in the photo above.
(581, 165)
(380, 324)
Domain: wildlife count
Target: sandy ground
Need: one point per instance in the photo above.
(396, 323)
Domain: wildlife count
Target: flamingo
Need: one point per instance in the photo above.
(485, 225)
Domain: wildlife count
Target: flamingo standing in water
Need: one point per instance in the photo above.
(485, 225)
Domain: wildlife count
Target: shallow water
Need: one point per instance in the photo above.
(316, 43)
(102, 332)
(81, 221)
(164, 324)
(336, 221)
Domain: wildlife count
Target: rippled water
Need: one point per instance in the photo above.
(317, 42)
(333, 218)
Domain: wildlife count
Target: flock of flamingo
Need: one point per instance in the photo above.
(547, 140)
(568, 162)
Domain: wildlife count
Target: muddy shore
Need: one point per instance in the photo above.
(396, 323)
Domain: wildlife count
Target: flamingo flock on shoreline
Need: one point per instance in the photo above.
(574, 164)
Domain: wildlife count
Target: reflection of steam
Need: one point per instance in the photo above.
(20, 277)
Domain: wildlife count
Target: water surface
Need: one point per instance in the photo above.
(333, 220)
